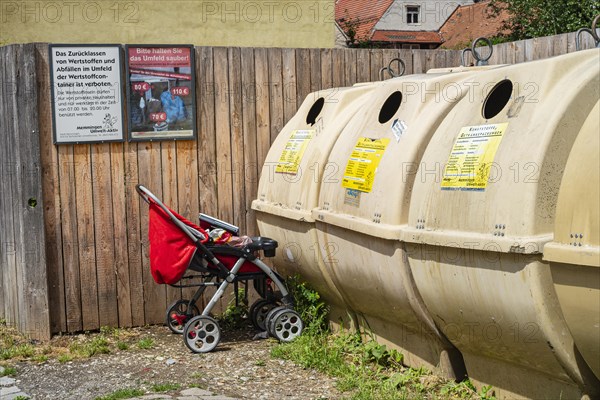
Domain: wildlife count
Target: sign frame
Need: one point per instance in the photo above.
(129, 94)
(55, 138)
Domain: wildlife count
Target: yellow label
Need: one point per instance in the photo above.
(290, 158)
(362, 164)
(472, 156)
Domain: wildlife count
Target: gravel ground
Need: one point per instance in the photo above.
(239, 367)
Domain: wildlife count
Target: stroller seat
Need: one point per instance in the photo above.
(178, 245)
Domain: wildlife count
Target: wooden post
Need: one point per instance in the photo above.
(22, 233)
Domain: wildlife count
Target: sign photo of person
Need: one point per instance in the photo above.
(160, 92)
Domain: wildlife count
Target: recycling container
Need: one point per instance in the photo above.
(364, 205)
(289, 186)
(483, 209)
(574, 253)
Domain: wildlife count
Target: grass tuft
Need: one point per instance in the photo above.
(122, 394)
(165, 387)
(145, 343)
(363, 368)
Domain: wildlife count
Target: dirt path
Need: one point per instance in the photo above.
(240, 367)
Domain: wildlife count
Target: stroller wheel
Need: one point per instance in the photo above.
(178, 314)
(258, 313)
(201, 334)
(285, 324)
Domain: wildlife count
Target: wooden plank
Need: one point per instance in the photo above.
(363, 68)
(51, 195)
(530, 47)
(571, 45)
(9, 169)
(88, 277)
(339, 73)
(223, 129)
(70, 238)
(119, 215)
(519, 51)
(149, 172)
(275, 92)
(326, 69)
(17, 203)
(187, 192)
(303, 87)
(376, 65)
(432, 59)
(137, 235)
(32, 281)
(545, 47)
(32, 277)
(349, 66)
(104, 235)
(315, 70)
(170, 195)
(237, 138)
(452, 58)
(207, 156)
(251, 167)
(290, 104)
(263, 119)
(419, 61)
(559, 44)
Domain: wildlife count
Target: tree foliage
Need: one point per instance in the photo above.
(534, 18)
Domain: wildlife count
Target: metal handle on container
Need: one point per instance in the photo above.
(593, 32)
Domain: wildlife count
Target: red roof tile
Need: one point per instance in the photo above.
(365, 12)
(406, 37)
(470, 22)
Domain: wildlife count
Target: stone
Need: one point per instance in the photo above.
(13, 396)
(5, 391)
(6, 381)
(195, 392)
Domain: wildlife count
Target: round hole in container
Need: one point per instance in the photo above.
(314, 111)
(497, 99)
(390, 107)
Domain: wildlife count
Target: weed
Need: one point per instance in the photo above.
(165, 387)
(235, 316)
(20, 351)
(98, 345)
(362, 367)
(313, 311)
(9, 371)
(122, 346)
(122, 394)
(21, 398)
(41, 358)
(63, 358)
(260, 363)
(145, 343)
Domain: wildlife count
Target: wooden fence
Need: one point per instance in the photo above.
(78, 260)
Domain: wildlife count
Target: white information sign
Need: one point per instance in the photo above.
(87, 95)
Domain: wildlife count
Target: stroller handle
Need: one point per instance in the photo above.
(147, 195)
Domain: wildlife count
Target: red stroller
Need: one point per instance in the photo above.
(178, 245)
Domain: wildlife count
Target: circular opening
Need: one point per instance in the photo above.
(314, 111)
(32, 202)
(497, 99)
(390, 107)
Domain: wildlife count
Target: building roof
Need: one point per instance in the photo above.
(470, 22)
(406, 37)
(364, 13)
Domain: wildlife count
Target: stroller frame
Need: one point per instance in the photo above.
(201, 332)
